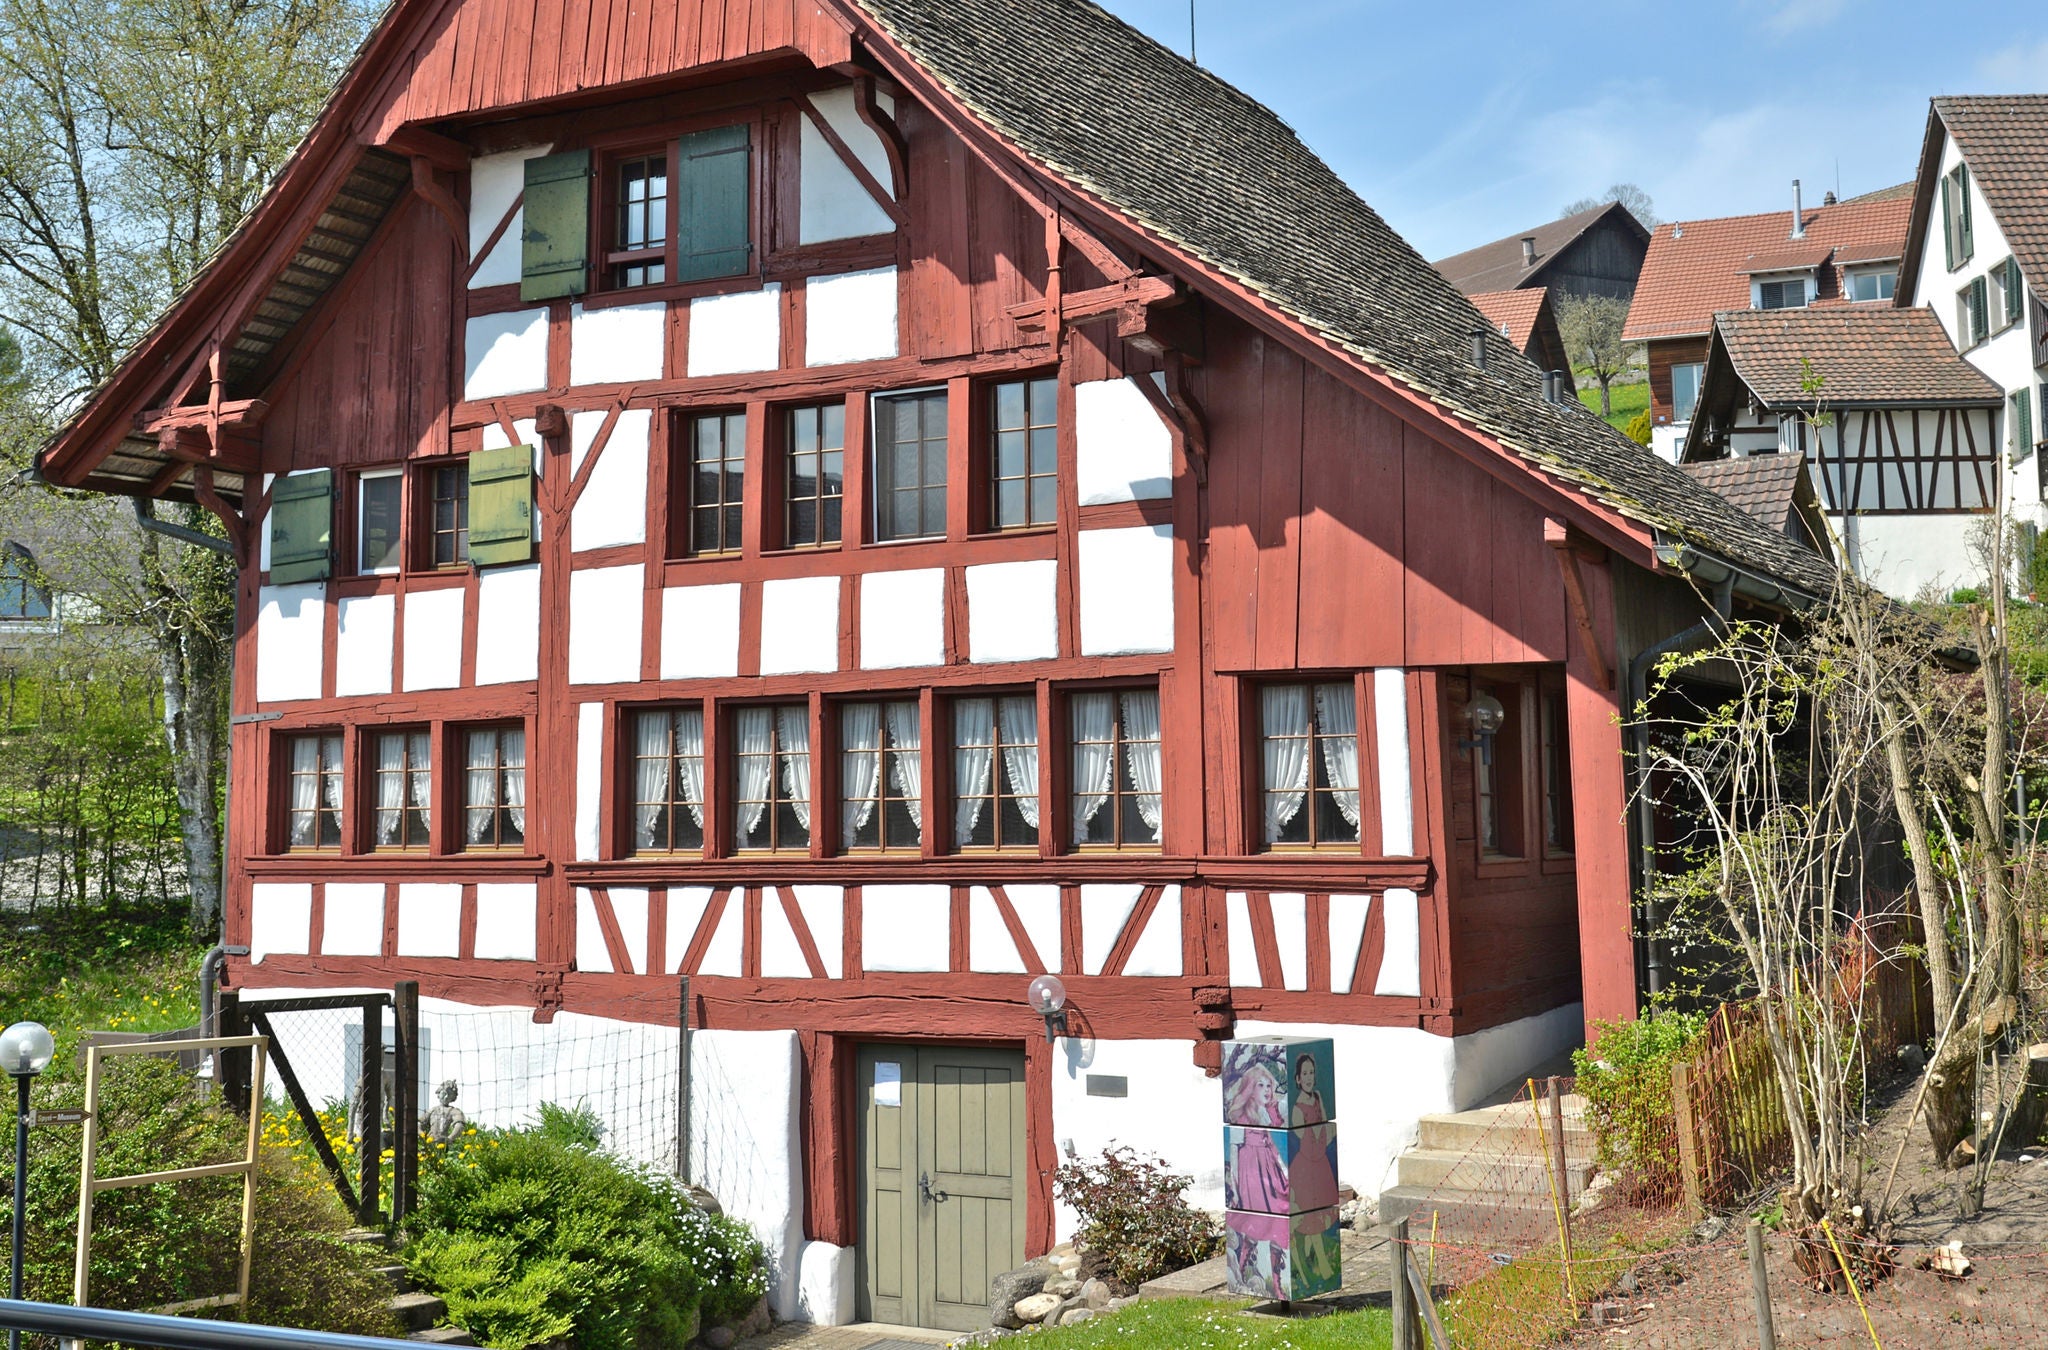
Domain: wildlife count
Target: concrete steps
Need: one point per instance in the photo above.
(416, 1312)
(1489, 1170)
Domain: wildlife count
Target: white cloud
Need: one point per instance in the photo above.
(2019, 68)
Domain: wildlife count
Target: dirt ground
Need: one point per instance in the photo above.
(1698, 1297)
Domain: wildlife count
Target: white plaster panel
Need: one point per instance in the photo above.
(280, 919)
(1104, 911)
(507, 918)
(1290, 935)
(263, 535)
(1173, 1109)
(1390, 729)
(505, 353)
(700, 631)
(363, 636)
(799, 625)
(1126, 590)
(1013, 611)
(589, 777)
(990, 948)
(352, 922)
(1122, 451)
(782, 956)
(290, 638)
(1038, 909)
(906, 928)
(1347, 935)
(850, 317)
(831, 202)
(495, 182)
(737, 333)
(508, 624)
(903, 619)
(723, 953)
(529, 434)
(612, 508)
(1157, 951)
(745, 1143)
(686, 906)
(604, 624)
(824, 911)
(617, 344)
(429, 919)
(824, 1292)
(592, 953)
(433, 639)
(1903, 555)
(1244, 950)
(629, 907)
(1401, 953)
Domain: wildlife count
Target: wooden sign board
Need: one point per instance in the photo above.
(56, 1117)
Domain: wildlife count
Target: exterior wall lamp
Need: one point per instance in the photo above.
(26, 1049)
(1485, 715)
(1048, 998)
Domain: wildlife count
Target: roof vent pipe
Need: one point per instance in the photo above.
(1528, 250)
(1479, 348)
(1798, 213)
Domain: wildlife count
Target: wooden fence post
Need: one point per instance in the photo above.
(232, 1065)
(405, 1144)
(1401, 1296)
(1688, 1149)
(1760, 1284)
(370, 1117)
(1564, 1177)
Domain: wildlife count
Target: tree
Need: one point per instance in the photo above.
(1592, 325)
(138, 135)
(1628, 194)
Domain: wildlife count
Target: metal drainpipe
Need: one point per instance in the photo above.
(1646, 812)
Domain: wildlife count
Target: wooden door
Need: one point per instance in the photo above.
(941, 1153)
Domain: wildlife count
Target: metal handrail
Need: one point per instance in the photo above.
(176, 1333)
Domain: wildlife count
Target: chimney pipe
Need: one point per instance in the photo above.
(1798, 213)
(1528, 250)
(1479, 348)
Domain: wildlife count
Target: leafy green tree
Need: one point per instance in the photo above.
(1592, 327)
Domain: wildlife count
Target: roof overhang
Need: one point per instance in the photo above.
(1918, 222)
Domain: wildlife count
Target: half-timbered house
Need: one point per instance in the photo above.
(858, 503)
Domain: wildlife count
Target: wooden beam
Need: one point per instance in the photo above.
(884, 126)
(416, 142)
(884, 198)
(1559, 536)
(1177, 407)
(240, 412)
(443, 201)
(1082, 306)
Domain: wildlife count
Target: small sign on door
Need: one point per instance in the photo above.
(888, 1083)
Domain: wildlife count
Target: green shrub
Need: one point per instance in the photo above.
(1627, 1086)
(534, 1235)
(1135, 1218)
(1638, 428)
(163, 1244)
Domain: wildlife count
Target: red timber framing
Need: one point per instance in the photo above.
(1327, 523)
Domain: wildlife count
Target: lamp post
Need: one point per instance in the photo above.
(25, 1051)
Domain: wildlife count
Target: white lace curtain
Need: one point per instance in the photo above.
(305, 789)
(754, 729)
(666, 742)
(793, 730)
(330, 782)
(1141, 753)
(906, 767)
(483, 783)
(1337, 719)
(512, 763)
(1094, 717)
(860, 767)
(1019, 722)
(974, 752)
(1283, 710)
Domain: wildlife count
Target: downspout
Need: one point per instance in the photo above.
(1639, 669)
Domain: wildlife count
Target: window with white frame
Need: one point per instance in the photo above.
(668, 780)
(771, 778)
(1973, 313)
(1781, 293)
(1685, 389)
(1958, 237)
(1308, 746)
(1873, 284)
(881, 777)
(2012, 293)
(995, 772)
(380, 522)
(1114, 788)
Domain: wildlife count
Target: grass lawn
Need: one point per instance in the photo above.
(1626, 399)
(136, 971)
(1201, 1324)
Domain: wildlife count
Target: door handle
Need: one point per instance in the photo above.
(924, 1186)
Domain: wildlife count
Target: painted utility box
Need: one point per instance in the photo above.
(1280, 1167)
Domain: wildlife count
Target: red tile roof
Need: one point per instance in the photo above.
(1513, 312)
(1696, 268)
(1498, 266)
(1773, 488)
(1862, 354)
(1798, 257)
(2004, 139)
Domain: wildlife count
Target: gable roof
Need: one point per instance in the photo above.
(1528, 320)
(1697, 268)
(2004, 140)
(1246, 210)
(1498, 266)
(1776, 489)
(1863, 355)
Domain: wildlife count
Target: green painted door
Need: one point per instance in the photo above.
(941, 1152)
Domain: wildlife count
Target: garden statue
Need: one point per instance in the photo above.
(445, 1121)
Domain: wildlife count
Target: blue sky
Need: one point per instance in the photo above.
(1464, 121)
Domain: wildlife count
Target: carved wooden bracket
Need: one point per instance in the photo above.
(1215, 1023)
(443, 201)
(1568, 548)
(1176, 405)
(893, 143)
(547, 993)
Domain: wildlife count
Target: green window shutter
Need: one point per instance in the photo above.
(501, 506)
(301, 527)
(716, 238)
(1948, 222)
(555, 241)
(1963, 211)
(2022, 424)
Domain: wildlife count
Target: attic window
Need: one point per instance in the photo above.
(1784, 293)
(1873, 285)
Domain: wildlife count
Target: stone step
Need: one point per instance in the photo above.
(1500, 1133)
(367, 1237)
(395, 1274)
(1469, 1216)
(417, 1311)
(444, 1336)
(1489, 1173)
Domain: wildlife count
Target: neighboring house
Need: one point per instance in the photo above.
(1528, 321)
(816, 505)
(1902, 432)
(1977, 257)
(1598, 251)
(1834, 253)
(1775, 488)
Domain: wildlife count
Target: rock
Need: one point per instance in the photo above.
(719, 1338)
(1005, 1289)
(1627, 1284)
(1067, 1265)
(1036, 1307)
(1711, 1230)
(1076, 1316)
(1911, 1057)
(1116, 1303)
(1064, 1286)
(757, 1320)
(1359, 1212)
(1095, 1294)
